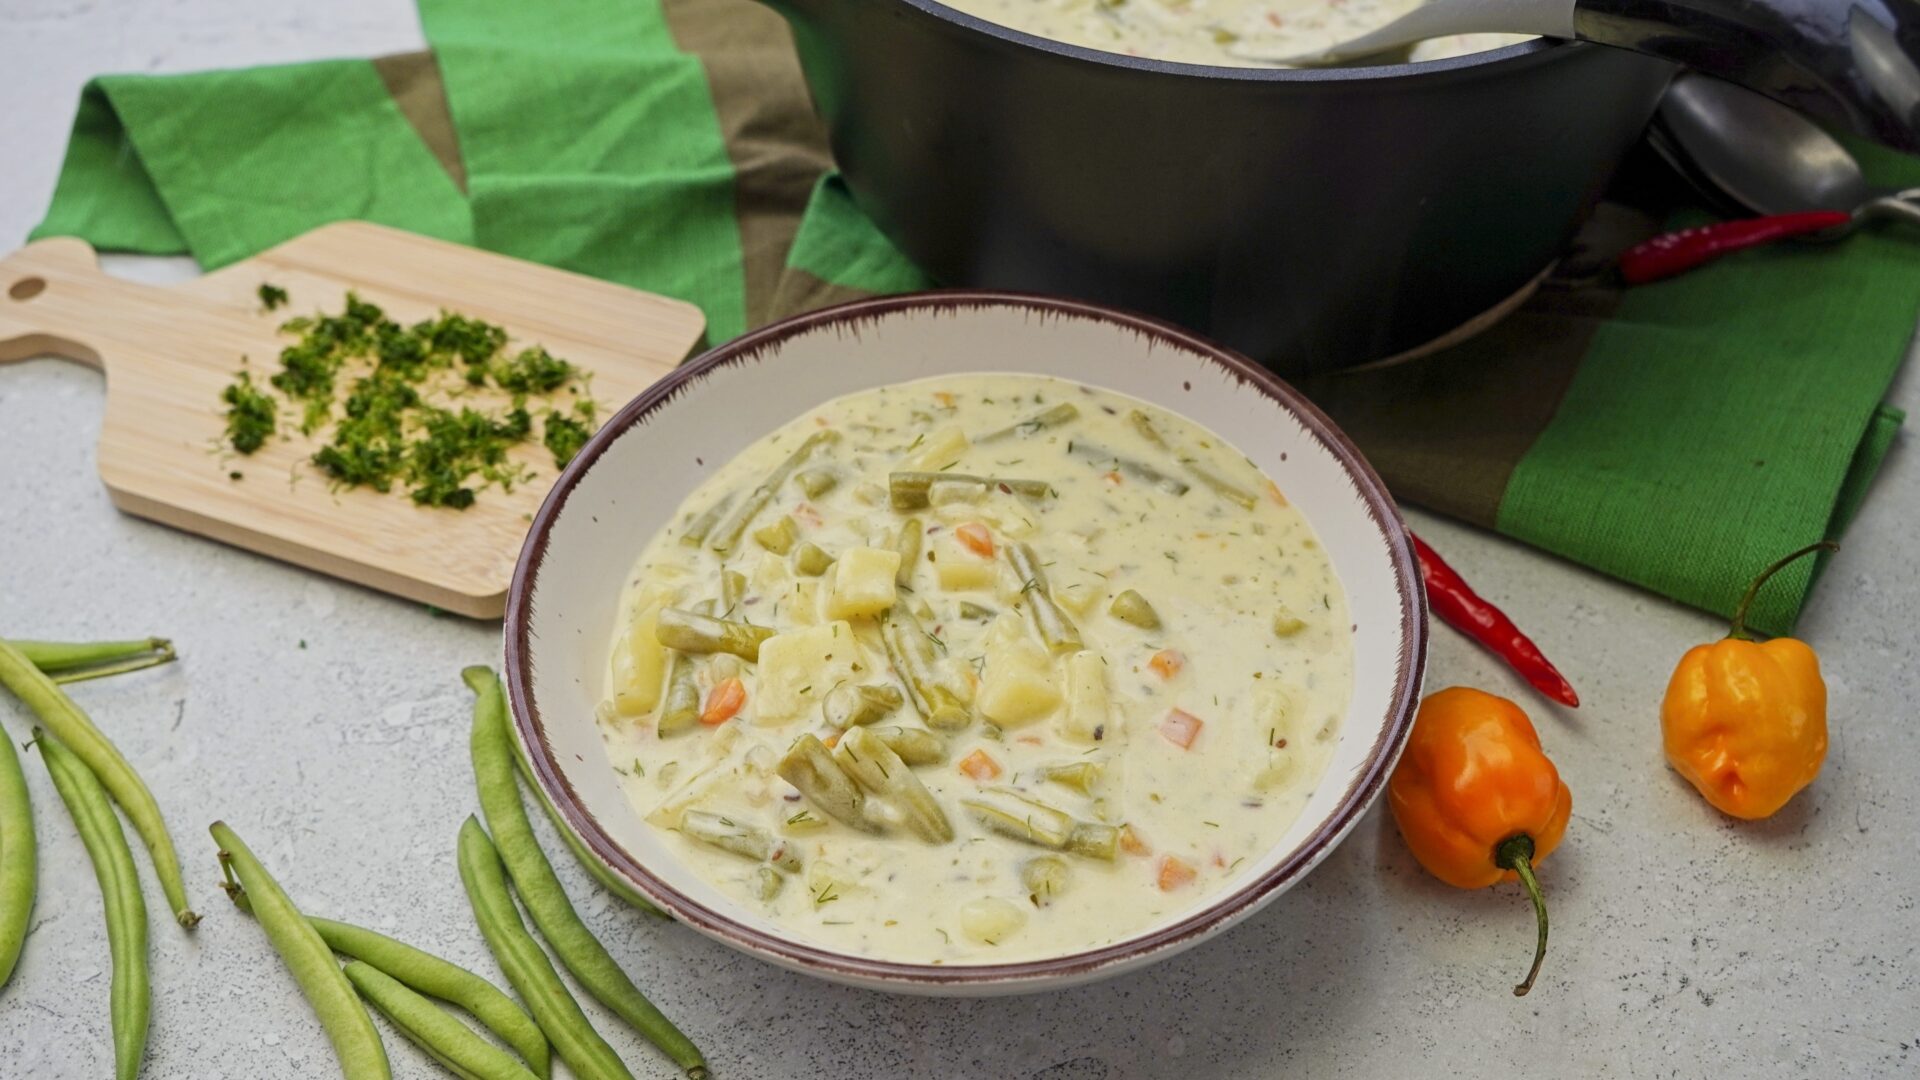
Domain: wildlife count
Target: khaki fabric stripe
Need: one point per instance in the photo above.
(777, 144)
(413, 79)
(800, 290)
(1447, 428)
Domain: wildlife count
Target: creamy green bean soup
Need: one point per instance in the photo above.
(1228, 33)
(977, 669)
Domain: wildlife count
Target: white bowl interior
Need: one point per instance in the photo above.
(632, 489)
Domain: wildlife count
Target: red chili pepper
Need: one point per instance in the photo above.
(1451, 598)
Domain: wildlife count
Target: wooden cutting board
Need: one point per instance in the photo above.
(168, 352)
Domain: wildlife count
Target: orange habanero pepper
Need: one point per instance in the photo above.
(1745, 721)
(1477, 800)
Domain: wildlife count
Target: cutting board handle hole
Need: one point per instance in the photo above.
(27, 288)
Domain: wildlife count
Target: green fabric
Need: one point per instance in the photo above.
(222, 164)
(1678, 435)
(1722, 418)
(591, 143)
(840, 244)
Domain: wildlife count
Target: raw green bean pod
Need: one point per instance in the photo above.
(68, 724)
(911, 651)
(527, 968)
(693, 632)
(909, 490)
(1131, 607)
(594, 867)
(1051, 623)
(1045, 877)
(348, 1027)
(78, 661)
(727, 534)
(540, 890)
(130, 994)
(18, 858)
(445, 1039)
(680, 709)
(1063, 413)
(449, 982)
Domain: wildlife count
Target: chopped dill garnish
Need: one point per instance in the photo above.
(385, 430)
(272, 296)
(251, 414)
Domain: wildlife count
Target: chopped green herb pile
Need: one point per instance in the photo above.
(250, 414)
(395, 422)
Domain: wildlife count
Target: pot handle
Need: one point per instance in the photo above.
(1847, 62)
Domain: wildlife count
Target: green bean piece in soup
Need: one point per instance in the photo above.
(1044, 667)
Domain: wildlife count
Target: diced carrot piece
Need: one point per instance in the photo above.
(832, 740)
(1132, 842)
(1113, 478)
(980, 766)
(1273, 492)
(1030, 740)
(1219, 860)
(1174, 873)
(724, 702)
(1167, 663)
(977, 538)
(1180, 728)
(944, 398)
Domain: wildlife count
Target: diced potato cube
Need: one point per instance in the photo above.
(770, 575)
(1017, 686)
(829, 882)
(1276, 724)
(639, 666)
(991, 920)
(1286, 623)
(959, 569)
(1078, 597)
(863, 583)
(802, 602)
(798, 667)
(1088, 716)
(936, 451)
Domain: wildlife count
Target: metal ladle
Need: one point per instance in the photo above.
(1763, 158)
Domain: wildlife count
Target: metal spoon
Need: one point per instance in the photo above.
(1762, 158)
(1847, 62)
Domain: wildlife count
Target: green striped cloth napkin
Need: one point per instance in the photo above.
(1677, 436)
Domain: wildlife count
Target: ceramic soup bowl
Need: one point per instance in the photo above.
(631, 477)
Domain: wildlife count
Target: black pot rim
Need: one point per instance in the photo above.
(1541, 49)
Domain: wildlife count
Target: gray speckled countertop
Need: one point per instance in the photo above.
(1685, 945)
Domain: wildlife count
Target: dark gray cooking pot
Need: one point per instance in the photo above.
(1308, 218)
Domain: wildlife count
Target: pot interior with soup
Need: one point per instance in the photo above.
(977, 669)
(1229, 33)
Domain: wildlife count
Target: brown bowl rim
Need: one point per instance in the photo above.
(1359, 796)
